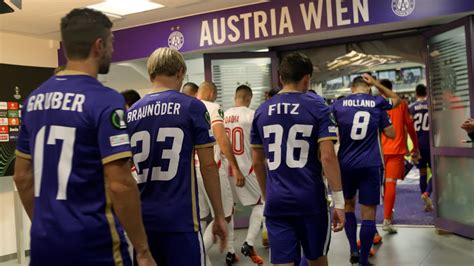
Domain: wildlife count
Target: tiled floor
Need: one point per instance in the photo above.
(411, 246)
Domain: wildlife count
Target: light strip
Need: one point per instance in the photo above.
(124, 7)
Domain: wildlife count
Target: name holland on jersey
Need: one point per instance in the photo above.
(358, 103)
(155, 109)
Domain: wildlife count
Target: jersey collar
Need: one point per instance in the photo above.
(71, 73)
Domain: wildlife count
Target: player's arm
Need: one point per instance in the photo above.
(258, 159)
(126, 203)
(24, 181)
(409, 125)
(210, 177)
(389, 132)
(226, 147)
(387, 93)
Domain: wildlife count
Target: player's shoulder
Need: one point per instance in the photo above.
(313, 97)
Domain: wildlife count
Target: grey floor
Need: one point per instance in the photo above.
(411, 246)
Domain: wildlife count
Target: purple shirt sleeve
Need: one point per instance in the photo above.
(202, 134)
(255, 139)
(384, 120)
(326, 124)
(23, 141)
(384, 103)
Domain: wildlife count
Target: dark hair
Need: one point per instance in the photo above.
(387, 83)
(359, 82)
(80, 29)
(273, 92)
(130, 96)
(194, 87)
(421, 90)
(294, 67)
(244, 88)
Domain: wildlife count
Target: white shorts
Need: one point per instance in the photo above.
(205, 207)
(250, 194)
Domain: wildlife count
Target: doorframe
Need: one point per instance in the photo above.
(468, 23)
(239, 55)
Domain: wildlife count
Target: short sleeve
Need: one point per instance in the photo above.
(385, 121)
(255, 139)
(23, 141)
(326, 125)
(217, 114)
(202, 134)
(113, 138)
(384, 103)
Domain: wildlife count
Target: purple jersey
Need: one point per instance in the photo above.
(289, 128)
(69, 131)
(361, 118)
(165, 128)
(420, 113)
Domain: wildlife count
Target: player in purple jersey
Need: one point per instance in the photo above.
(166, 127)
(361, 118)
(292, 137)
(72, 168)
(420, 112)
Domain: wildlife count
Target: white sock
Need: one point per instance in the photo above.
(208, 237)
(255, 223)
(230, 236)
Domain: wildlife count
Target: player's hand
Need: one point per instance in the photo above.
(338, 219)
(145, 259)
(369, 79)
(239, 178)
(468, 125)
(415, 155)
(219, 231)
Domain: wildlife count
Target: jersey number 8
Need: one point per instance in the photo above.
(360, 125)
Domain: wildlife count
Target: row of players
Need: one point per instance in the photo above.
(73, 173)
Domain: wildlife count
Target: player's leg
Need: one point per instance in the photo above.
(182, 249)
(314, 232)
(349, 186)
(284, 244)
(425, 187)
(255, 223)
(394, 170)
(154, 242)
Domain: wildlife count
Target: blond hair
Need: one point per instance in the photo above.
(165, 61)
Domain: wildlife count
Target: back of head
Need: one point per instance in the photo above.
(358, 83)
(207, 91)
(80, 29)
(165, 62)
(273, 92)
(387, 83)
(190, 89)
(421, 91)
(294, 67)
(243, 96)
(131, 97)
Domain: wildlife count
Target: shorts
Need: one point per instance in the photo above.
(176, 248)
(249, 194)
(425, 160)
(287, 234)
(368, 181)
(205, 207)
(394, 166)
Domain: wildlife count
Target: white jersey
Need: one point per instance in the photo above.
(216, 115)
(238, 122)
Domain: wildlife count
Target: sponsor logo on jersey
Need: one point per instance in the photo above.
(403, 8)
(3, 105)
(118, 119)
(221, 113)
(3, 121)
(207, 117)
(119, 140)
(4, 138)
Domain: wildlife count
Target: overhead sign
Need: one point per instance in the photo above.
(272, 20)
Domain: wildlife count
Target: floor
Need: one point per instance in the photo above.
(411, 246)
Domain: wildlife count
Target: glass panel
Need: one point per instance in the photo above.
(449, 87)
(454, 182)
(228, 74)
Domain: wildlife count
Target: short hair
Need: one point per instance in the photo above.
(130, 96)
(387, 83)
(194, 87)
(421, 90)
(165, 61)
(358, 82)
(244, 88)
(80, 29)
(273, 92)
(294, 67)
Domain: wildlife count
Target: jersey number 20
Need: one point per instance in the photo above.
(421, 122)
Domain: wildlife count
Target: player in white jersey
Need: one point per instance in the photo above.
(238, 122)
(207, 93)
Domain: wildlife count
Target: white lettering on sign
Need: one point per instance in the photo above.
(279, 21)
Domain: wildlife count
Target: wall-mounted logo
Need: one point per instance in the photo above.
(17, 94)
(176, 40)
(403, 8)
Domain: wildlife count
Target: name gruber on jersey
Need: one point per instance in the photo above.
(56, 101)
(284, 108)
(155, 109)
(421, 107)
(358, 103)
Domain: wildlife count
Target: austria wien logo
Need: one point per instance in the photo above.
(403, 8)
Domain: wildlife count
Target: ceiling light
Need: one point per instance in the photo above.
(124, 7)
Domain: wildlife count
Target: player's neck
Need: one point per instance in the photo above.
(421, 98)
(163, 83)
(84, 66)
(293, 87)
